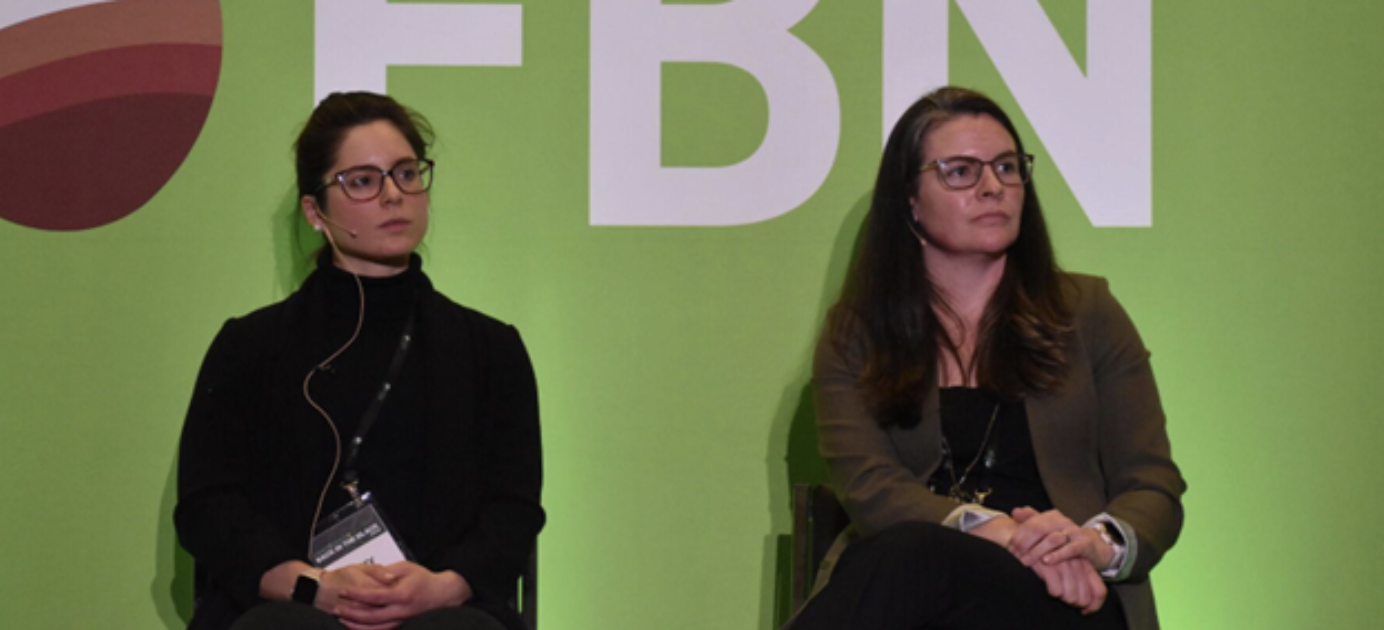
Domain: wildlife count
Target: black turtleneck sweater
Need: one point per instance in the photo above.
(392, 450)
(453, 457)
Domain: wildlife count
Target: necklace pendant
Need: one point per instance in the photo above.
(957, 495)
(974, 497)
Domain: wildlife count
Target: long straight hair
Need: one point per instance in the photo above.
(890, 304)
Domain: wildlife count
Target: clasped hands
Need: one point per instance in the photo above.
(375, 597)
(1065, 555)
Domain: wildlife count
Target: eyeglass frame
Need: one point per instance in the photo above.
(1025, 169)
(339, 179)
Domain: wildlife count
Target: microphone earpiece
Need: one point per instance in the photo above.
(915, 228)
(329, 220)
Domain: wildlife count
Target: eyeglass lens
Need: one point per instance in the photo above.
(364, 183)
(965, 172)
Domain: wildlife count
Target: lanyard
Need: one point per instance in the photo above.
(349, 476)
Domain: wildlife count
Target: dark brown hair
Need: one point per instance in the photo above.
(317, 146)
(890, 304)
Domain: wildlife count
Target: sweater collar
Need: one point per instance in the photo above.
(389, 296)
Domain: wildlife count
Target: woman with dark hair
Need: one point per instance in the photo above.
(365, 394)
(991, 423)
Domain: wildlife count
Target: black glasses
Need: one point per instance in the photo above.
(364, 183)
(960, 172)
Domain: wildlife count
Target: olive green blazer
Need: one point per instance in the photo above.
(1100, 442)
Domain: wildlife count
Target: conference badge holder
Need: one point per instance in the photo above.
(357, 533)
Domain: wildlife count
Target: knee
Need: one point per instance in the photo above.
(913, 536)
(279, 615)
(455, 618)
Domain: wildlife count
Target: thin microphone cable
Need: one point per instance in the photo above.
(307, 395)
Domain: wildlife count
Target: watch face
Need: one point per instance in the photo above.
(1113, 533)
(305, 589)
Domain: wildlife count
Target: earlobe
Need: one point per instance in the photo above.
(311, 213)
(914, 225)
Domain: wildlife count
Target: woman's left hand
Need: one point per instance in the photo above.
(406, 590)
(1051, 538)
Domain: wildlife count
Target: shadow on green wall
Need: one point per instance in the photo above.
(295, 246)
(793, 456)
(295, 249)
(172, 587)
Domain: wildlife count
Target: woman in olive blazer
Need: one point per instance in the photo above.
(1101, 446)
(969, 392)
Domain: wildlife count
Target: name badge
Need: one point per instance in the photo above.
(357, 533)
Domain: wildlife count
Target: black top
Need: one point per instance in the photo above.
(394, 446)
(1007, 468)
(454, 456)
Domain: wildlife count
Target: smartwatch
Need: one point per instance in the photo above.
(305, 589)
(1115, 538)
(1111, 535)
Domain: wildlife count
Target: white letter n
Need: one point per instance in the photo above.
(1099, 127)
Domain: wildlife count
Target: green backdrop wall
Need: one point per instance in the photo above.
(673, 361)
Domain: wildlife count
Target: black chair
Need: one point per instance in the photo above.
(528, 592)
(817, 519)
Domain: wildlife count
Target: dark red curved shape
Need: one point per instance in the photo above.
(190, 69)
(89, 165)
(100, 105)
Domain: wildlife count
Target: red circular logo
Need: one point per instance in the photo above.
(100, 104)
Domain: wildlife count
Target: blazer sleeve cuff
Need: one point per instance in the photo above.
(969, 516)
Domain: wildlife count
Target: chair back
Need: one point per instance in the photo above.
(818, 519)
(527, 593)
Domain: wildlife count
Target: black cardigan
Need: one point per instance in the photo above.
(456, 461)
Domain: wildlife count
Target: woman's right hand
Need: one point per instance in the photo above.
(334, 583)
(1050, 537)
(278, 584)
(1074, 581)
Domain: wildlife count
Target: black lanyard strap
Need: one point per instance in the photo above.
(349, 474)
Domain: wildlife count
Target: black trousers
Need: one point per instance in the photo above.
(919, 575)
(293, 616)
